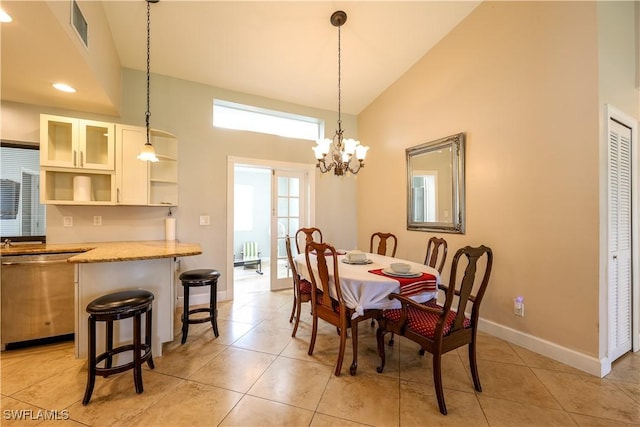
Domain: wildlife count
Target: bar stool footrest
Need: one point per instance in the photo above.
(105, 372)
(201, 319)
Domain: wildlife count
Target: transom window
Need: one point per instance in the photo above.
(231, 115)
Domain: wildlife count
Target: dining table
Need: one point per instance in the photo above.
(366, 285)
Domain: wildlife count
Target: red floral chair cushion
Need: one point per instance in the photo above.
(305, 286)
(422, 322)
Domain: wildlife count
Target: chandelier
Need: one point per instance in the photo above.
(148, 153)
(339, 154)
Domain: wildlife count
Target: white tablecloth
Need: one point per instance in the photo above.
(362, 290)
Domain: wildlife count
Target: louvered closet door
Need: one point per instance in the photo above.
(619, 240)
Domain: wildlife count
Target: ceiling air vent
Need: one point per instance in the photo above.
(79, 23)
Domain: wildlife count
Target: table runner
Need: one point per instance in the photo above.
(411, 285)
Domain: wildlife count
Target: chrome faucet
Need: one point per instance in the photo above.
(7, 243)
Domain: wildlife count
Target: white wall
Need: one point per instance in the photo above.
(185, 109)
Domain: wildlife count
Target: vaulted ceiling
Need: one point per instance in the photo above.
(281, 50)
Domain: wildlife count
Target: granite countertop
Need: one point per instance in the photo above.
(109, 251)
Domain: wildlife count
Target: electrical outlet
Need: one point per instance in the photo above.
(97, 220)
(67, 221)
(518, 306)
(204, 219)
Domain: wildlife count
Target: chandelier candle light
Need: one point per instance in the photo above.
(337, 154)
(148, 153)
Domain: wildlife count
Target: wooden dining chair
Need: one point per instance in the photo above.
(436, 249)
(383, 240)
(310, 234)
(439, 329)
(381, 249)
(330, 309)
(301, 289)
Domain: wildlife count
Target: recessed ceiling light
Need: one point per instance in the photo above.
(63, 87)
(4, 16)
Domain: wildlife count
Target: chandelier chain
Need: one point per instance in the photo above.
(335, 154)
(339, 82)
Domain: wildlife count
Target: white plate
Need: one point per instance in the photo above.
(366, 261)
(409, 274)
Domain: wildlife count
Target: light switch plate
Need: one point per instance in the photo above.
(204, 219)
(67, 221)
(97, 220)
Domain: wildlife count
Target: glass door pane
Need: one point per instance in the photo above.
(288, 217)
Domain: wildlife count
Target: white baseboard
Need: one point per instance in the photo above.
(586, 363)
(589, 364)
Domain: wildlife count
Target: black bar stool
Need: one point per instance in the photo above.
(118, 306)
(201, 277)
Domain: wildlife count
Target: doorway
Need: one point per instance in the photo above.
(265, 201)
(251, 228)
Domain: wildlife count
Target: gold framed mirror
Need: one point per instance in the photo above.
(435, 185)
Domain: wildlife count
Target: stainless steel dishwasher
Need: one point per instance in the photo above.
(37, 299)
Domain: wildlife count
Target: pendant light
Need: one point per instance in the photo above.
(337, 154)
(148, 153)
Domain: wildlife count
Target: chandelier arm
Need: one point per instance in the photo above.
(355, 170)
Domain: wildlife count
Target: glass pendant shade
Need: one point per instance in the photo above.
(148, 153)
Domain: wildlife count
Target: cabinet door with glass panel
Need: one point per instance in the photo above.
(76, 143)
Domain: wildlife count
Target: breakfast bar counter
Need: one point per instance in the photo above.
(106, 267)
(89, 252)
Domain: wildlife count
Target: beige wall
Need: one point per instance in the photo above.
(619, 53)
(521, 80)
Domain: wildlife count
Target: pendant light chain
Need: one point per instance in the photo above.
(148, 153)
(148, 112)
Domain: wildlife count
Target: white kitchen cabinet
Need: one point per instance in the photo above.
(57, 187)
(132, 174)
(163, 175)
(76, 143)
(103, 156)
(76, 153)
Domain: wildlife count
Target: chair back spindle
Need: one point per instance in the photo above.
(325, 255)
(383, 240)
(310, 234)
(464, 291)
(436, 249)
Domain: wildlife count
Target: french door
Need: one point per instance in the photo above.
(291, 206)
(289, 213)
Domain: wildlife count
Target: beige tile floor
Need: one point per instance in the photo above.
(255, 374)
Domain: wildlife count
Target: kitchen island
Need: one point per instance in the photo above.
(105, 267)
